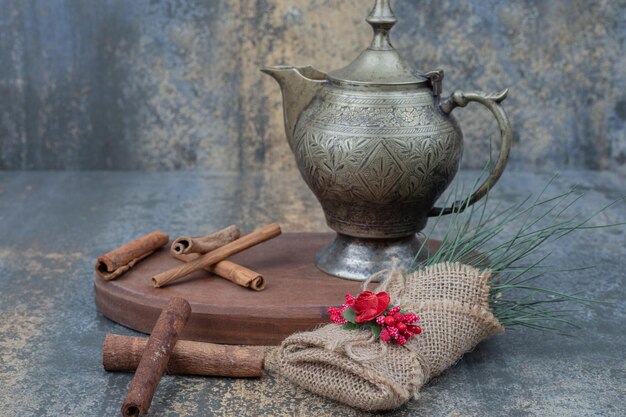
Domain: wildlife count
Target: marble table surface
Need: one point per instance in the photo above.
(54, 224)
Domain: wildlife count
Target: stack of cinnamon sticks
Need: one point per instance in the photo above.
(208, 252)
(161, 352)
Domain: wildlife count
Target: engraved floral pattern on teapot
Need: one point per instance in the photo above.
(376, 149)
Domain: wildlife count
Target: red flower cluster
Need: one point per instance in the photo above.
(367, 306)
(372, 310)
(397, 326)
(336, 314)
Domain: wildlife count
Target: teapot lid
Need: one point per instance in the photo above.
(380, 63)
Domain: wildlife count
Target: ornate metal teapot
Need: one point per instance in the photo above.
(377, 145)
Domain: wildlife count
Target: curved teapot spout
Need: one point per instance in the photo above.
(299, 85)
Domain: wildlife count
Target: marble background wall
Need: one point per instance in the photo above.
(174, 84)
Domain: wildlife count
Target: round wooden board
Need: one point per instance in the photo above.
(296, 296)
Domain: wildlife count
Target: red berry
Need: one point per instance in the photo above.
(384, 335)
(410, 317)
(401, 327)
(415, 329)
(338, 319)
(407, 334)
(389, 321)
(399, 317)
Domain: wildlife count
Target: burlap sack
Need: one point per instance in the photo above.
(351, 367)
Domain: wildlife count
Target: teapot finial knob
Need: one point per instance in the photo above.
(382, 19)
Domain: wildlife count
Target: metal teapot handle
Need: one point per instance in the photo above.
(492, 102)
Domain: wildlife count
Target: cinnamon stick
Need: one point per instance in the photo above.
(203, 244)
(213, 257)
(156, 356)
(123, 353)
(231, 271)
(120, 260)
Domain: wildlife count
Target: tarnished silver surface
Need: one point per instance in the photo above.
(377, 145)
(358, 259)
(377, 160)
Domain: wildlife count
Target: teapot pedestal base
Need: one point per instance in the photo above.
(357, 259)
